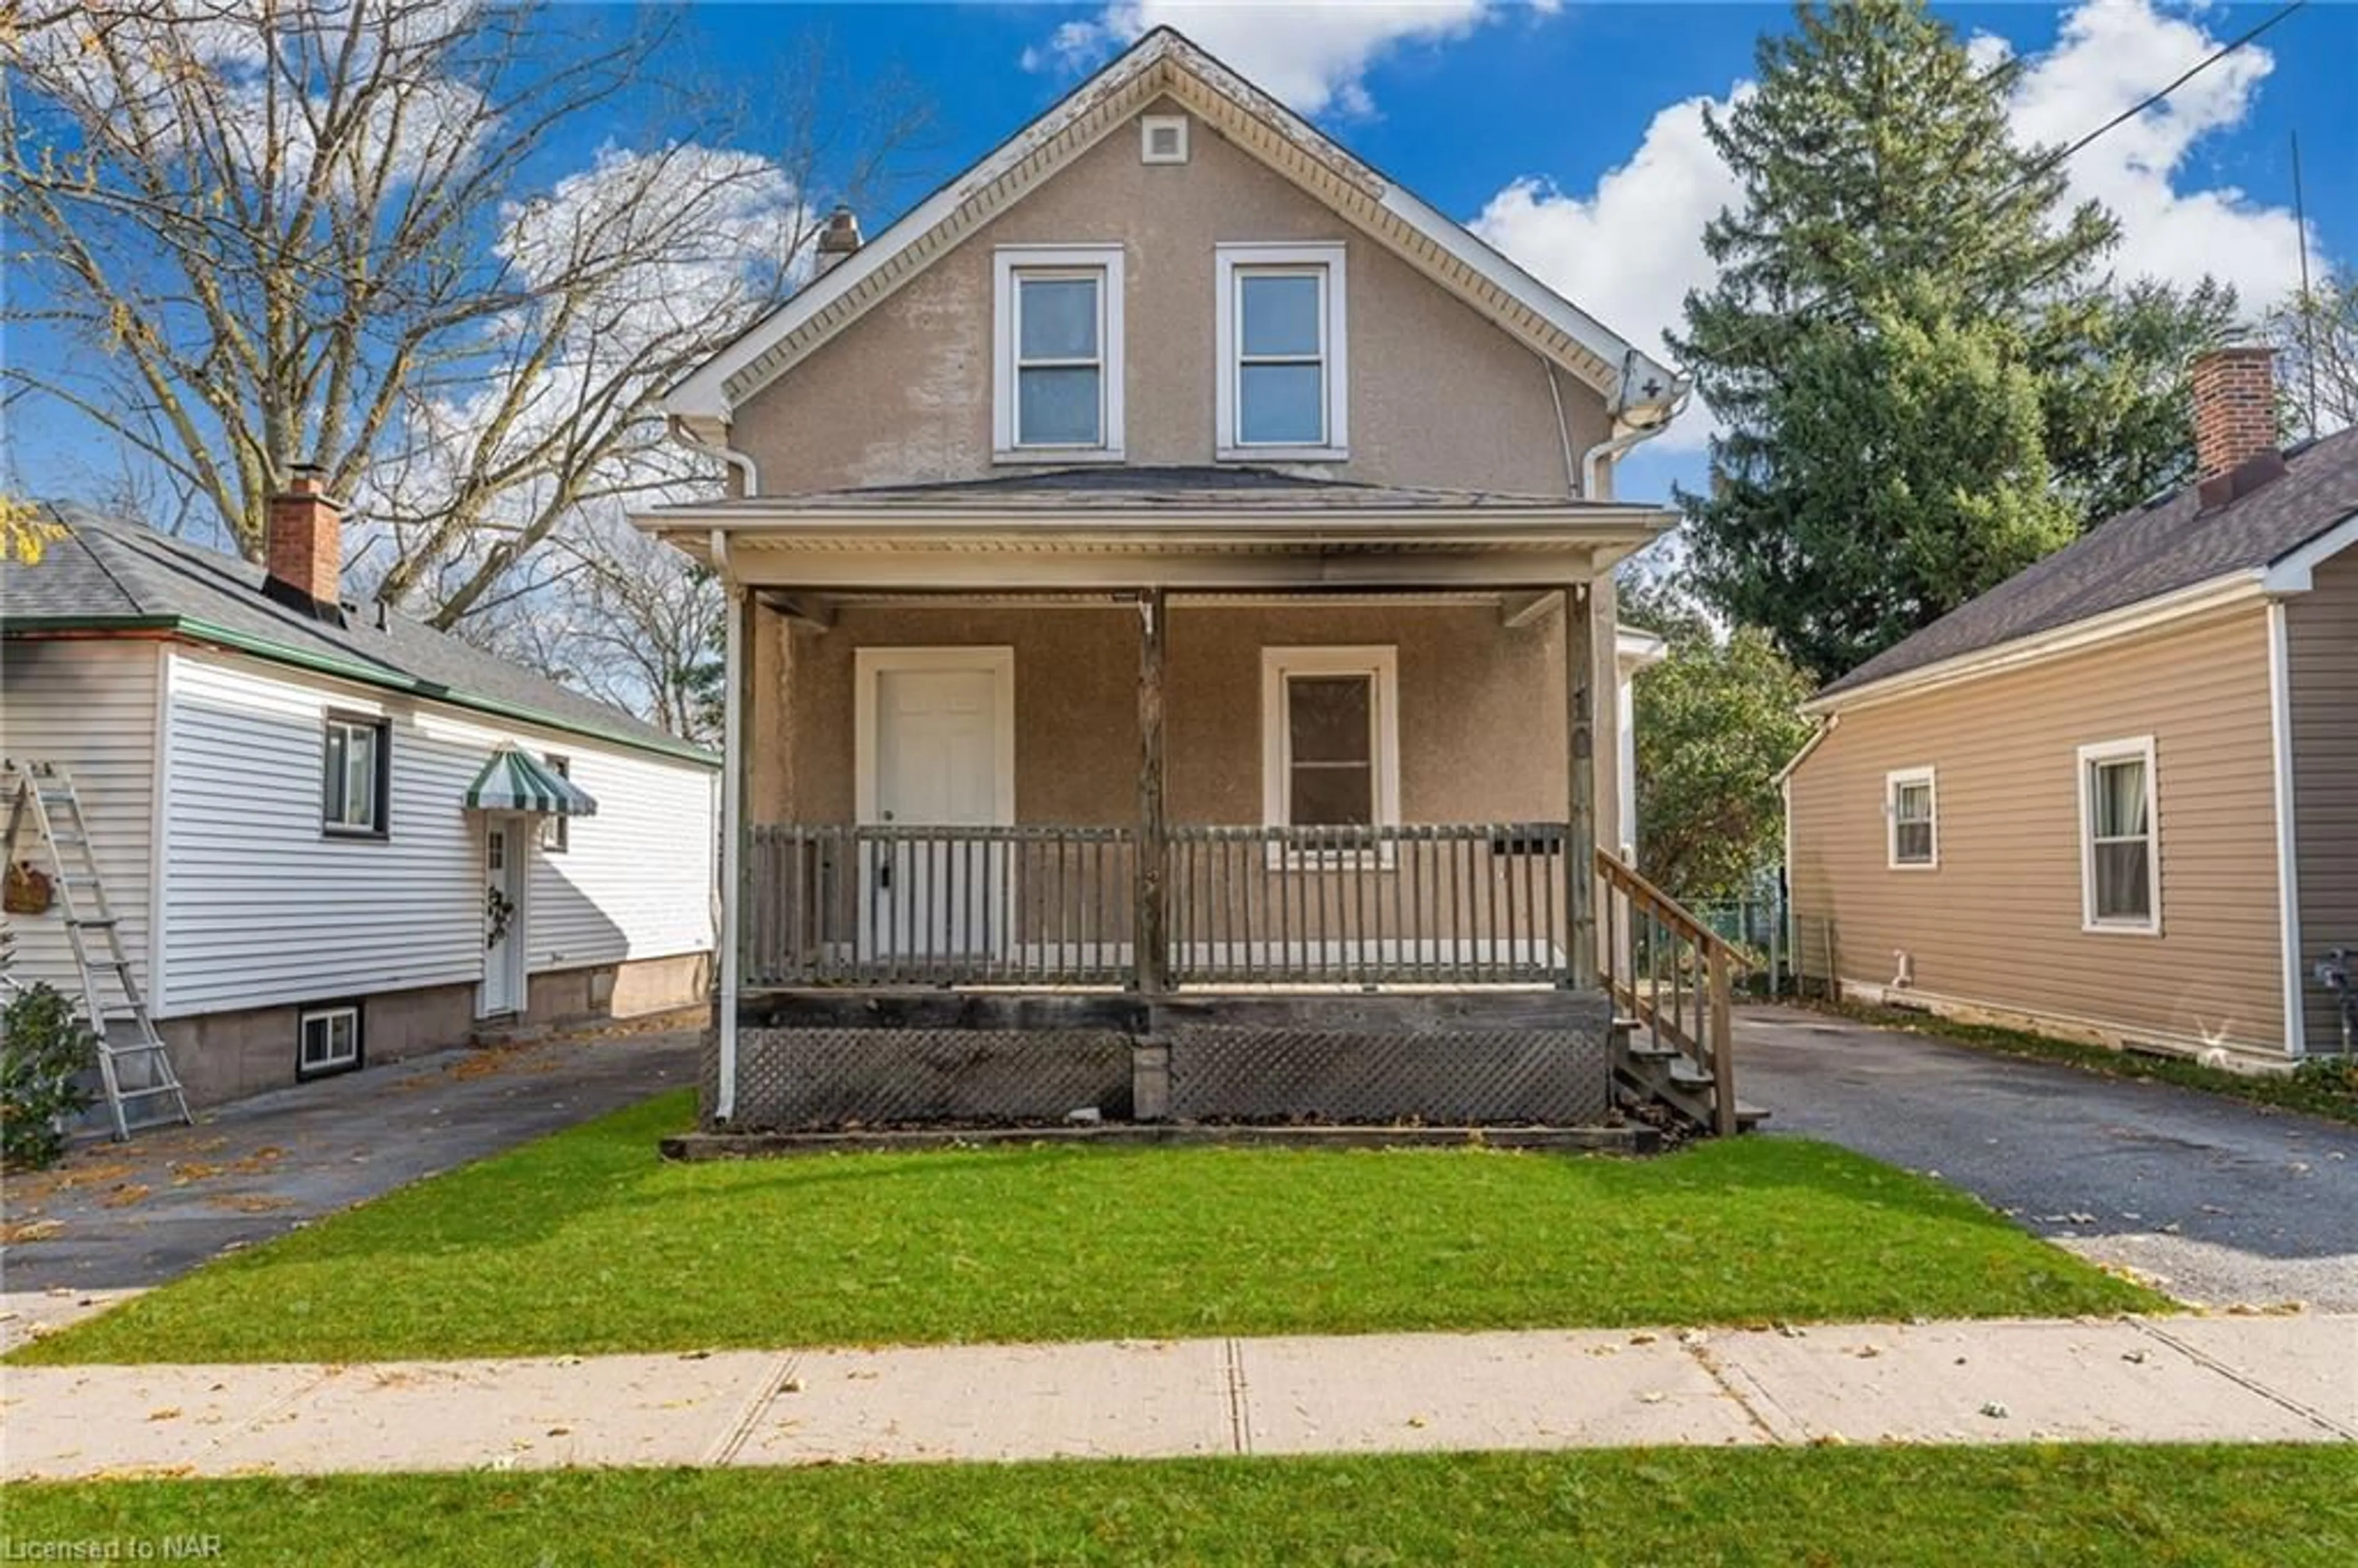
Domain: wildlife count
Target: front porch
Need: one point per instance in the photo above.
(1280, 802)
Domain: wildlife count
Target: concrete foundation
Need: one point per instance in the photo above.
(224, 1056)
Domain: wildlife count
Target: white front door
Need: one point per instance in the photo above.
(507, 844)
(939, 737)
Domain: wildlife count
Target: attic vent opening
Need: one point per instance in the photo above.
(1162, 138)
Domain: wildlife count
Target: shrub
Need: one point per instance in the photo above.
(43, 1045)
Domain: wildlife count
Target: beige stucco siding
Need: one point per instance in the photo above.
(1481, 708)
(1998, 924)
(1439, 396)
(2321, 649)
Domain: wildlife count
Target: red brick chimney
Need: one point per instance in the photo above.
(2235, 407)
(303, 544)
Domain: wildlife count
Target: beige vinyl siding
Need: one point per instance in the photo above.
(2321, 649)
(1998, 924)
(90, 706)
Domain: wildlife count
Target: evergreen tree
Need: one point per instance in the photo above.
(1906, 311)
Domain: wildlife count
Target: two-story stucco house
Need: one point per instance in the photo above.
(1171, 568)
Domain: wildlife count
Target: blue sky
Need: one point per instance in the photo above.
(1568, 134)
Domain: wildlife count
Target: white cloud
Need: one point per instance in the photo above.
(1313, 57)
(1630, 249)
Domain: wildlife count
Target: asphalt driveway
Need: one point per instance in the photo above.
(2217, 1202)
(119, 1217)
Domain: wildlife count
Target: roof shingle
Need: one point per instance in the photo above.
(2165, 546)
(112, 568)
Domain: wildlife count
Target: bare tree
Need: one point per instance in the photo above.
(307, 232)
(2316, 334)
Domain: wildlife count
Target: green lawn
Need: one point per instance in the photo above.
(585, 1242)
(2281, 1508)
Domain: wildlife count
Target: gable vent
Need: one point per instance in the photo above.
(1162, 138)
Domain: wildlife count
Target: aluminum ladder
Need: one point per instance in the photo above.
(135, 1068)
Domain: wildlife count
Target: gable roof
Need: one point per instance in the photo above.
(113, 574)
(1166, 64)
(2169, 545)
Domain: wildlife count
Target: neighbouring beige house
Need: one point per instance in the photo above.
(1171, 569)
(2117, 797)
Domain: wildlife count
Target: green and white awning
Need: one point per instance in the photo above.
(516, 781)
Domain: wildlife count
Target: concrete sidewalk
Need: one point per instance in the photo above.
(2162, 1379)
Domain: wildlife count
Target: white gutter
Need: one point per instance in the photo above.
(2295, 1040)
(750, 476)
(1597, 461)
(732, 741)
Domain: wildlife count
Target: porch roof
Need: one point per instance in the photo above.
(1122, 511)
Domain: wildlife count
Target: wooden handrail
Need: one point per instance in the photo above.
(1698, 1019)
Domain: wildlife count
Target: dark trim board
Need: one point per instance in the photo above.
(1635, 1139)
(1142, 1017)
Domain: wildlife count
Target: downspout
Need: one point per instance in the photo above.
(2288, 936)
(733, 738)
(1596, 462)
(748, 477)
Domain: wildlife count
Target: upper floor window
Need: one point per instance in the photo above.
(1283, 383)
(1056, 337)
(355, 775)
(2120, 850)
(1908, 801)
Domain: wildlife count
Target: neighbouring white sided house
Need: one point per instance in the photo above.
(329, 836)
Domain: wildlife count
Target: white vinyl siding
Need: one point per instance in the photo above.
(261, 908)
(89, 706)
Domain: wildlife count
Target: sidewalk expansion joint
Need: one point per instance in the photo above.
(1232, 1369)
(1733, 1382)
(2340, 1428)
(771, 1383)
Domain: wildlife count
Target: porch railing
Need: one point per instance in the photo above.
(1463, 903)
(1672, 974)
(837, 904)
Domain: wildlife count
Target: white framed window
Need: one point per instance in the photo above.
(2120, 838)
(355, 775)
(1911, 808)
(556, 829)
(1283, 390)
(1056, 348)
(1330, 737)
(1162, 138)
(328, 1040)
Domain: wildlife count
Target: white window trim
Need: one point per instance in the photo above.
(1892, 782)
(326, 1016)
(1007, 262)
(2139, 748)
(1380, 663)
(1228, 259)
(1150, 123)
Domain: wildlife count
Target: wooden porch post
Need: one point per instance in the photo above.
(1150, 970)
(1580, 852)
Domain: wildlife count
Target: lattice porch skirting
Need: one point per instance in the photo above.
(1443, 1060)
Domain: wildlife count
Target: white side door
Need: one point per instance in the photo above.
(507, 844)
(940, 738)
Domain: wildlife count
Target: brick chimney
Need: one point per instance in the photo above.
(303, 544)
(837, 241)
(2235, 407)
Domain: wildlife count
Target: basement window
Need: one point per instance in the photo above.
(328, 1040)
(1909, 803)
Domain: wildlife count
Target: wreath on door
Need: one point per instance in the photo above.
(498, 910)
